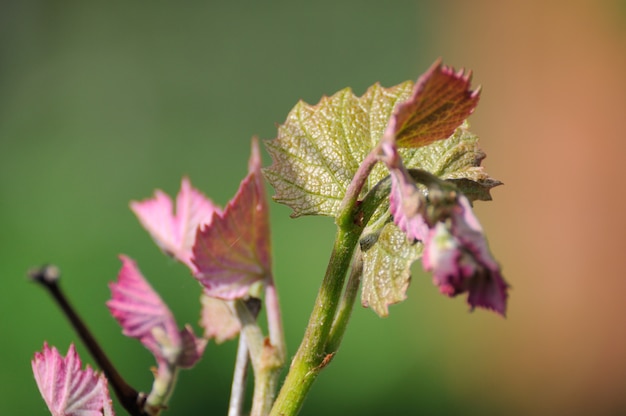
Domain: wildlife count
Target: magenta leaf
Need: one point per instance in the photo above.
(455, 248)
(233, 251)
(407, 204)
(143, 315)
(456, 252)
(66, 388)
(175, 231)
(441, 100)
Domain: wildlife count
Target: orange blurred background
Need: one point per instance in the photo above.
(551, 119)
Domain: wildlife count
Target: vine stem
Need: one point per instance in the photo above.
(267, 359)
(325, 330)
(239, 379)
(312, 352)
(346, 306)
(274, 321)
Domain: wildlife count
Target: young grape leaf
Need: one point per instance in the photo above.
(440, 102)
(143, 315)
(456, 159)
(319, 147)
(233, 252)
(174, 231)
(68, 389)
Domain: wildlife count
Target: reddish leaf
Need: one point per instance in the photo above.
(440, 102)
(175, 231)
(233, 251)
(406, 202)
(458, 255)
(191, 348)
(66, 388)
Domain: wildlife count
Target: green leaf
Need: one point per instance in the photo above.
(319, 148)
(476, 191)
(386, 267)
(457, 159)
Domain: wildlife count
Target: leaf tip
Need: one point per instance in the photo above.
(254, 163)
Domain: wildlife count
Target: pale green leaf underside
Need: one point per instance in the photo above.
(319, 149)
(386, 269)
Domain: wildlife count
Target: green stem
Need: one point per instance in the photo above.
(250, 329)
(311, 355)
(348, 205)
(162, 388)
(265, 385)
(326, 327)
(347, 303)
(266, 361)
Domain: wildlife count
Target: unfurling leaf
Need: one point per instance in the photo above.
(386, 269)
(67, 389)
(143, 315)
(233, 251)
(407, 202)
(175, 231)
(457, 253)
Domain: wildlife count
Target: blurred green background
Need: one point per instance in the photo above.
(102, 103)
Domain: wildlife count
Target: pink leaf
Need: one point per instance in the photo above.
(457, 253)
(66, 388)
(175, 231)
(407, 203)
(455, 248)
(143, 315)
(440, 101)
(233, 251)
